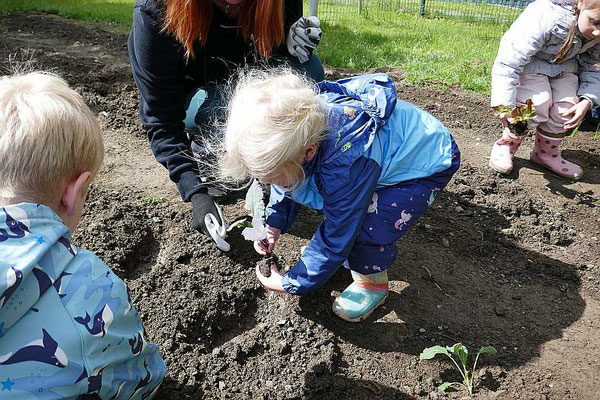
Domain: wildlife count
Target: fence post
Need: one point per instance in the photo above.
(359, 7)
(422, 9)
(313, 6)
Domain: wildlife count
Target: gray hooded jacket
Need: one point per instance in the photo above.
(530, 45)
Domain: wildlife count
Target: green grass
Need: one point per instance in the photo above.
(148, 201)
(466, 11)
(428, 50)
(120, 11)
(446, 51)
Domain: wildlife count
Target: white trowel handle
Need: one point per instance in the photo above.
(217, 232)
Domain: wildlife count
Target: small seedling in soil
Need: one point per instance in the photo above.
(253, 230)
(256, 230)
(264, 265)
(460, 352)
(151, 200)
(517, 117)
(596, 132)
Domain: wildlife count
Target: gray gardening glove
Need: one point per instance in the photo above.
(208, 219)
(304, 36)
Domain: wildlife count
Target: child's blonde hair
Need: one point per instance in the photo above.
(47, 134)
(272, 115)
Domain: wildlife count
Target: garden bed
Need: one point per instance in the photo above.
(509, 262)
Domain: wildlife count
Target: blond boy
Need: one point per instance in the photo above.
(67, 326)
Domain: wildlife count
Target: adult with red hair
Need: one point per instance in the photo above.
(182, 51)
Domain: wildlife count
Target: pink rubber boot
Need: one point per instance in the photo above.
(545, 153)
(501, 158)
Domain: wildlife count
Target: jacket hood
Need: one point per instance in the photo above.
(32, 240)
(360, 105)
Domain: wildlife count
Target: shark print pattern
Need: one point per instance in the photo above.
(67, 323)
(16, 229)
(65, 242)
(45, 350)
(137, 343)
(13, 279)
(100, 323)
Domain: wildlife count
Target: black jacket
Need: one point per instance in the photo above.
(164, 79)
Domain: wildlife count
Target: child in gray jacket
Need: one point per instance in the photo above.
(548, 55)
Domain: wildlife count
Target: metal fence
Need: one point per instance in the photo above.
(483, 13)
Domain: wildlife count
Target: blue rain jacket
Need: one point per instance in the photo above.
(371, 141)
(67, 325)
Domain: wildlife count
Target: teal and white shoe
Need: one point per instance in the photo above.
(359, 300)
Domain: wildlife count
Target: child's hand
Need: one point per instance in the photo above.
(272, 237)
(273, 282)
(578, 112)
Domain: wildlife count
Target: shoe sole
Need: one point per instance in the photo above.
(362, 317)
(499, 169)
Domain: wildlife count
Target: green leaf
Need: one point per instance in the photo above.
(501, 109)
(444, 386)
(462, 353)
(241, 223)
(431, 352)
(254, 200)
(487, 350)
(456, 349)
(576, 129)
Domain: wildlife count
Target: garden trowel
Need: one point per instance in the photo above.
(217, 232)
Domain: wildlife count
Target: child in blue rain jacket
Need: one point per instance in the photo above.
(67, 325)
(372, 164)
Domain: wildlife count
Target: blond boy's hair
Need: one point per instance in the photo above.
(272, 115)
(47, 134)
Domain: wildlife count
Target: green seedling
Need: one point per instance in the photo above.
(596, 133)
(518, 116)
(256, 229)
(152, 200)
(253, 230)
(461, 353)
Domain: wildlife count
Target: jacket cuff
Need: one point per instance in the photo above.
(189, 184)
(296, 284)
(289, 287)
(276, 220)
(588, 98)
(504, 93)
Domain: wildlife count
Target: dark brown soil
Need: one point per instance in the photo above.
(264, 266)
(512, 262)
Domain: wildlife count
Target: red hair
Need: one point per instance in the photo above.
(190, 20)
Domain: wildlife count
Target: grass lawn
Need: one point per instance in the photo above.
(444, 51)
(91, 10)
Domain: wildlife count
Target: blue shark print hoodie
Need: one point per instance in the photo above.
(67, 325)
(372, 141)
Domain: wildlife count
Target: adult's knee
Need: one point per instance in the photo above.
(202, 105)
(314, 68)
